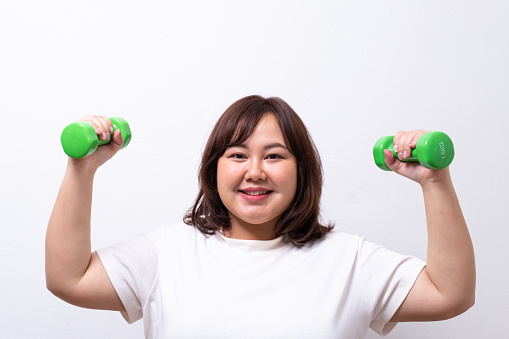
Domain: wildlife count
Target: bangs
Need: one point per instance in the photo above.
(239, 127)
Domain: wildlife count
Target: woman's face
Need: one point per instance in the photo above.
(257, 181)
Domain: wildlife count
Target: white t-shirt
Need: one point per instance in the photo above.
(188, 285)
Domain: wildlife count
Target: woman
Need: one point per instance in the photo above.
(257, 262)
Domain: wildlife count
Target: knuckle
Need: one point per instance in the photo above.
(399, 135)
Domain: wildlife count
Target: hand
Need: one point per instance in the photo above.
(404, 142)
(104, 129)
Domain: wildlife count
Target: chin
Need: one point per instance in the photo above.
(256, 220)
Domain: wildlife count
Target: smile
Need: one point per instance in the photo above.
(256, 193)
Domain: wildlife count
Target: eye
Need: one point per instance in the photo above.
(274, 156)
(237, 156)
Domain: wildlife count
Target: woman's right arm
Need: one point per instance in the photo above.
(73, 272)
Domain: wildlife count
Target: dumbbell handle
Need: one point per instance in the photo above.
(79, 139)
(434, 150)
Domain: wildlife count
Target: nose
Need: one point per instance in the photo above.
(255, 170)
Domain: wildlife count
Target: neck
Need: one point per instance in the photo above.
(242, 230)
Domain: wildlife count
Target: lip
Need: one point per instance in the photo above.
(254, 198)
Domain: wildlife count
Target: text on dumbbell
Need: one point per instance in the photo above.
(442, 147)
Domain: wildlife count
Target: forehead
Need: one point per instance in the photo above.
(267, 135)
(266, 126)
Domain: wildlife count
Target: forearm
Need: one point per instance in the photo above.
(68, 248)
(450, 258)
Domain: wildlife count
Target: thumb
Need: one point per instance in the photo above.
(391, 161)
(116, 141)
(106, 152)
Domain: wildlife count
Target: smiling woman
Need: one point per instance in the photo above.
(257, 181)
(260, 144)
(254, 261)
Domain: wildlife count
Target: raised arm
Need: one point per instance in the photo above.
(73, 273)
(446, 286)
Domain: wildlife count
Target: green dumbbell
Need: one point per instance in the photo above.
(434, 150)
(80, 139)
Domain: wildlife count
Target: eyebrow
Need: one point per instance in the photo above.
(267, 147)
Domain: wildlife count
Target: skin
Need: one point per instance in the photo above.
(262, 163)
(444, 289)
(446, 286)
(73, 273)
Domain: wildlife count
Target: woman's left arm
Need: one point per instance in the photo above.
(446, 286)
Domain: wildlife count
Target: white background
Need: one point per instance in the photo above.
(353, 70)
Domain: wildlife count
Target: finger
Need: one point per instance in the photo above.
(415, 136)
(95, 121)
(401, 145)
(106, 127)
(404, 142)
(102, 125)
(106, 152)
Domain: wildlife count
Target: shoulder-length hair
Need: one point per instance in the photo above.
(300, 223)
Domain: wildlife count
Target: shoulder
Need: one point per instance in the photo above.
(177, 230)
(338, 239)
(336, 245)
(355, 242)
(341, 236)
(178, 235)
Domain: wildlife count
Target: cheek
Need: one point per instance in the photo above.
(288, 179)
(220, 177)
(227, 176)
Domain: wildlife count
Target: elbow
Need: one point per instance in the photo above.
(58, 282)
(66, 289)
(59, 288)
(55, 288)
(467, 303)
(63, 292)
(53, 283)
(461, 305)
(468, 299)
(461, 297)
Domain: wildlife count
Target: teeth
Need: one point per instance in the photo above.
(256, 193)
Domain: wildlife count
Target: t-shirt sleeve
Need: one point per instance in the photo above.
(389, 277)
(132, 269)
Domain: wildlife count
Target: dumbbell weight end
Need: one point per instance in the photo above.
(80, 139)
(434, 150)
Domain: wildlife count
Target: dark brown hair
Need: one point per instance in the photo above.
(300, 223)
